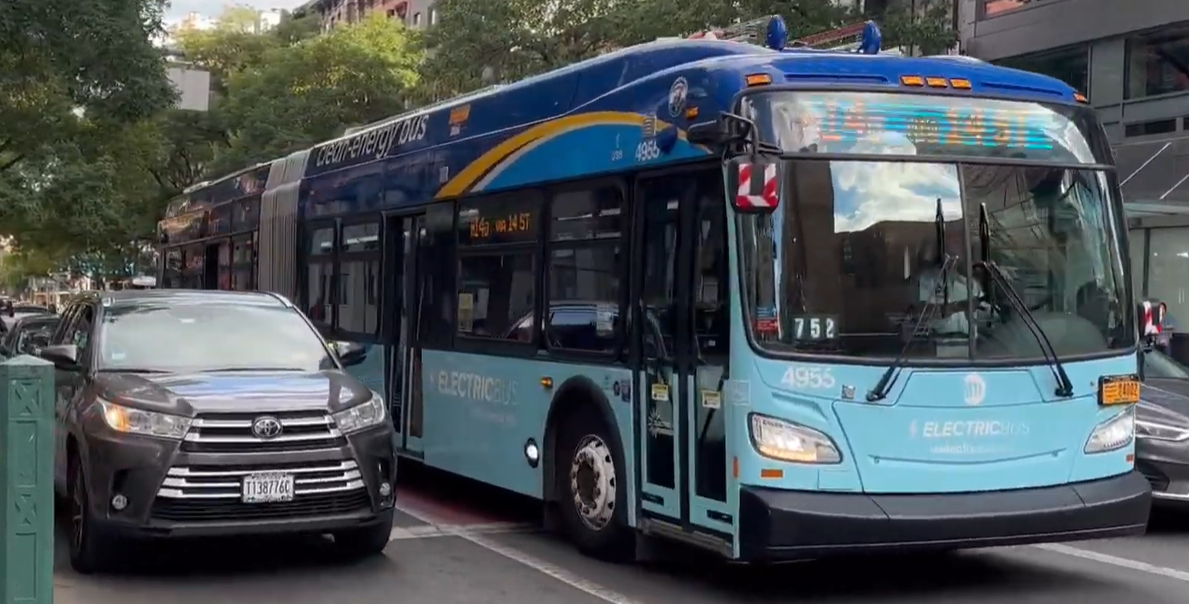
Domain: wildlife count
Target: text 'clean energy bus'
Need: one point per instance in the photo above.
(775, 303)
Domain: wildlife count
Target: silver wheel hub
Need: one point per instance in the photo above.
(593, 482)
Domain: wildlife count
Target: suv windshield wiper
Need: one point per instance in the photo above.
(130, 370)
(889, 377)
(1064, 385)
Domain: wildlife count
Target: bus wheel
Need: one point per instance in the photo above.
(593, 498)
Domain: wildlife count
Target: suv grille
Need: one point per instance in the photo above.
(232, 433)
(198, 493)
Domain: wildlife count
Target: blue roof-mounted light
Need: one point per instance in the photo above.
(778, 33)
(871, 39)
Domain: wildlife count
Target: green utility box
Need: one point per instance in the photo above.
(27, 481)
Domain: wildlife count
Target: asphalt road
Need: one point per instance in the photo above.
(444, 552)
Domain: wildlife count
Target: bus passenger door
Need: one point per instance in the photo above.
(658, 383)
(682, 342)
(404, 391)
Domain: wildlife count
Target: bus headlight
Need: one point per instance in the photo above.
(1113, 434)
(786, 441)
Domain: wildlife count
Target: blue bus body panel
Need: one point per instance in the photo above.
(481, 410)
(589, 119)
(931, 434)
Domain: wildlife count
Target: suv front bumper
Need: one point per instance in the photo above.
(174, 493)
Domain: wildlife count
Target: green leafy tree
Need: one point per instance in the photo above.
(925, 27)
(479, 42)
(60, 58)
(302, 94)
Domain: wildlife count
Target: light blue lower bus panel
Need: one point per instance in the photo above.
(481, 410)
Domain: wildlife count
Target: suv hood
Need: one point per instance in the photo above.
(263, 391)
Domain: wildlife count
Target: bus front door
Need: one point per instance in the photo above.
(682, 336)
(406, 289)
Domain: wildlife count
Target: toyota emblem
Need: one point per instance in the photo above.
(267, 427)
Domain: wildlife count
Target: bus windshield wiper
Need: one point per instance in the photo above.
(889, 377)
(1064, 385)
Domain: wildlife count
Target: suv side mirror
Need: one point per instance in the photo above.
(64, 356)
(349, 353)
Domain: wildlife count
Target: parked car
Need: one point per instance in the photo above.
(1162, 429)
(28, 335)
(14, 311)
(194, 413)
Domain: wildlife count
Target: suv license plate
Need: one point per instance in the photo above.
(267, 488)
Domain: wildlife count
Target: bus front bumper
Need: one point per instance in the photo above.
(778, 525)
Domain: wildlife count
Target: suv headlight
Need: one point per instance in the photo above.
(146, 423)
(1157, 431)
(786, 441)
(362, 417)
(1113, 434)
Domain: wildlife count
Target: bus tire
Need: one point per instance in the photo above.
(591, 490)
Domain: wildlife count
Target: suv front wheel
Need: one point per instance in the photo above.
(88, 546)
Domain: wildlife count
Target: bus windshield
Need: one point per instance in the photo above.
(854, 260)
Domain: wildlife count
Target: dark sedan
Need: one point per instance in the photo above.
(1162, 429)
(188, 413)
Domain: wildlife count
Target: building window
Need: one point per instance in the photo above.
(433, 16)
(416, 19)
(995, 8)
(1070, 65)
(1158, 63)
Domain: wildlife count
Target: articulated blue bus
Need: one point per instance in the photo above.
(773, 303)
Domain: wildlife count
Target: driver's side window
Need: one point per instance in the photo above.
(65, 330)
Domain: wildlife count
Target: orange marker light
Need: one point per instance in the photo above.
(936, 82)
(758, 79)
(1081, 98)
(912, 80)
(960, 84)
(771, 473)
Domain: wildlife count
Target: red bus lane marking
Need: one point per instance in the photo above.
(439, 512)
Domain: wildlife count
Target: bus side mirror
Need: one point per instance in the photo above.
(753, 181)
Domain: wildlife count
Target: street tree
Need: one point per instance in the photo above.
(298, 95)
(477, 42)
(60, 59)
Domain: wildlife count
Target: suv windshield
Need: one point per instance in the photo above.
(849, 260)
(204, 337)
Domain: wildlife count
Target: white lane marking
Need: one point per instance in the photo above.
(541, 566)
(430, 530)
(1127, 563)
